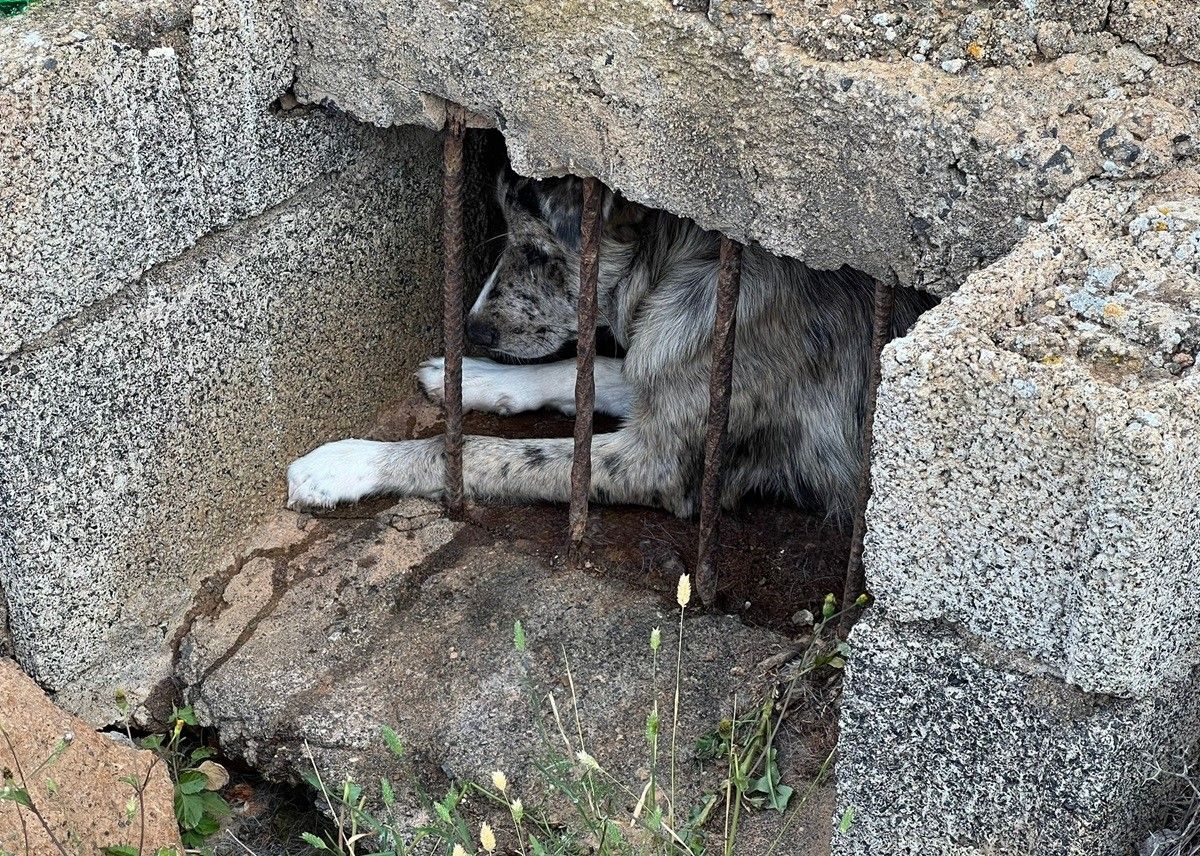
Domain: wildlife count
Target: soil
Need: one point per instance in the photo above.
(774, 559)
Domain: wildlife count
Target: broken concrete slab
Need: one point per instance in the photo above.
(72, 777)
(329, 629)
(950, 746)
(1037, 458)
(914, 171)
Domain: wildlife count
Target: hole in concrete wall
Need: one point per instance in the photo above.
(784, 546)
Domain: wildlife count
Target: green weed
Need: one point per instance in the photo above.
(746, 743)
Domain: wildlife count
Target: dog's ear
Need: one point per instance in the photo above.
(623, 220)
(562, 208)
(517, 193)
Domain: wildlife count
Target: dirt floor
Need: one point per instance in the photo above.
(774, 559)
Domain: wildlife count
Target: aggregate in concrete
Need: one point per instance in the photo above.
(784, 123)
(1037, 457)
(951, 747)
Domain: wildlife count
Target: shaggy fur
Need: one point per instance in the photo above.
(800, 373)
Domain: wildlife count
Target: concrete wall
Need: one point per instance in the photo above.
(1034, 545)
(195, 286)
(191, 272)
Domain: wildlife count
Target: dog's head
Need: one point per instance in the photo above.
(527, 306)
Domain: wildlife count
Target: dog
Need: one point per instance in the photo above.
(801, 367)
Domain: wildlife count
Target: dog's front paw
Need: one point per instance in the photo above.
(432, 377)
(484, 384)
(342, 471)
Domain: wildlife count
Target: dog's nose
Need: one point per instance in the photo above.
(482, 333)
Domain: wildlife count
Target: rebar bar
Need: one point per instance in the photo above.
(720, 383)
(585, 364)
(855, 585)
(452, 304)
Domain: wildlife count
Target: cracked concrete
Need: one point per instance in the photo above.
(334, 626)
(195, 286)
(739, 119)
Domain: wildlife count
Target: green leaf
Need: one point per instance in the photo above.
(518, 636)
(768, 791)
(120, 850)
(132, 781)
(536, 846)
(392, 739)
(202, 753)
(442, 812)
(192, 782)
(192, 841)
(214, 804)
(186, 714)
(51, 786)
(154, 741)
(14, 794)
(351, 792)
(207, 826)
(847, 820)
(189, 808)
(313, 842)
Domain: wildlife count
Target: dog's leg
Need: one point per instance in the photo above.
(624, 470)
(498, 388)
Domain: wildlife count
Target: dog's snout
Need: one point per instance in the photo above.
(482, 333)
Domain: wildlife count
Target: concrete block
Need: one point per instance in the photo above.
(951, 747)
(1037, 456)
(141, 442)
(916, 171)
(131, 132)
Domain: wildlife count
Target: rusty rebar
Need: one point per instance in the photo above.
(585, 365)
(452, 303)
(885, 300)
(720, 387)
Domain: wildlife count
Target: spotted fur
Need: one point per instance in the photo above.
(799, 383)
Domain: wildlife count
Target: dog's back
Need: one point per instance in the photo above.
(802, 351)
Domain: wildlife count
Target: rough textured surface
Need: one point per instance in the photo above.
(129, 133)
(330, 628)
(1037, 459)
(6, 641)
(158, 373)
(86, 811)
(950, 747)
(914, 171)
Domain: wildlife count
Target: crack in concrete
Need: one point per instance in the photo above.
(209, 602)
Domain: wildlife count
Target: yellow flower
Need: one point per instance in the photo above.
(500, 781)
(458, 850)
(684, 592)
(517, 809)
(487, 837)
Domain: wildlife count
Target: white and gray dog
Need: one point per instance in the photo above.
(799, 381)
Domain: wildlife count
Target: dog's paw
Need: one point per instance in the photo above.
(484, 384)
(342, 471)
(431, 375)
